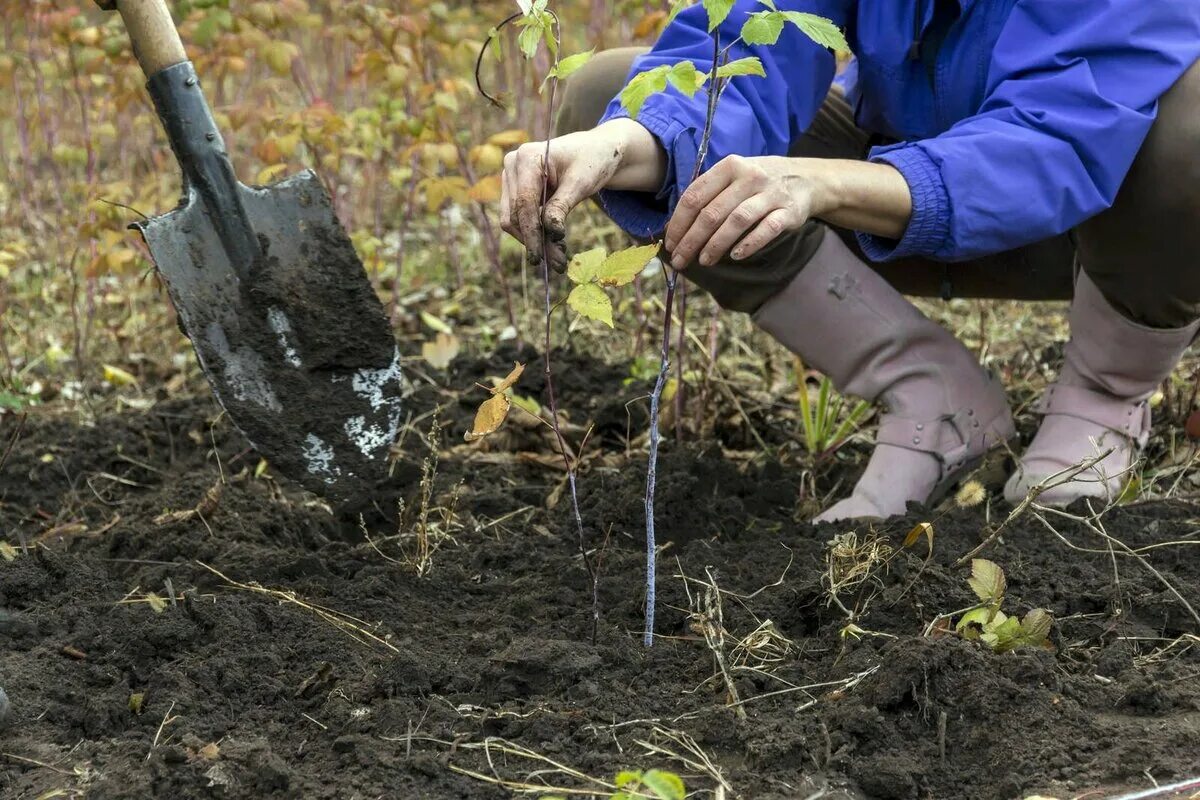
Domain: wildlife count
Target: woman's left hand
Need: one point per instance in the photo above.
(759, 198)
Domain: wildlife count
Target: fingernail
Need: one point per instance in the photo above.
(669, 244)
(737, 254)
(706, 260)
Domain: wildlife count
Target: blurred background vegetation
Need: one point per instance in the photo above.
(379, 98)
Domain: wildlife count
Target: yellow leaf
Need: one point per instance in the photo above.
(487, 157)
(439, 190)
(487, 190)
(509, 138)
(47, 458)
(136, 701)
(583, 266)
(7, 551)
(157, 603)
(510, 380)
(260, 468)
(987, 580)
(589, 300)
(624, 265)
(435, 323)
(669, 390)
(269, 174)
(279, 55)
(919, 530)
(489, 417)
(441, 351)
(209, 752)
(117, 376)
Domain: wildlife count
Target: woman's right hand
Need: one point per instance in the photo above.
(620, 154)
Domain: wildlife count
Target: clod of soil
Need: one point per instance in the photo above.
(141, 672)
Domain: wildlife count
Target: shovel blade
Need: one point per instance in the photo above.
(296, 347)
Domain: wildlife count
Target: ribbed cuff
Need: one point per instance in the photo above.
(641, 214)
(929, 226)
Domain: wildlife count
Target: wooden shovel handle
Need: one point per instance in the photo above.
(156, 42)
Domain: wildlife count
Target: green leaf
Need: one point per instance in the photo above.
(11, 402)
(583, 266)
(1008, 635)
(763, 27)
(820, 29)
(987, 581)
(743, 66)
(624, 265)
(1036, 625)
(528, 39)
(676, 7)
(664, 785)
(548, 35)
(627, 777)
(590, 301)
(718, 11)
(641, 87)
(570, 64)
(686, 78)
(973, 622)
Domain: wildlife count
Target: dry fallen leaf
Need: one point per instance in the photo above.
(494, 410)
(510, 381)
(441, 351)
(489, 417)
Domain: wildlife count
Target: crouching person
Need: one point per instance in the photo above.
(1028, 150)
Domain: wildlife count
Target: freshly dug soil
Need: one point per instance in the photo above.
(239, 692)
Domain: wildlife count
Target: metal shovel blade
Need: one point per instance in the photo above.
(297, 347)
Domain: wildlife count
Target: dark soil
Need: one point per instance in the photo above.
(493, 641)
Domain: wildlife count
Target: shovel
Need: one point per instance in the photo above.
(269, 290)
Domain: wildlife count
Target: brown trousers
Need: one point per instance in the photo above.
(1143, 253)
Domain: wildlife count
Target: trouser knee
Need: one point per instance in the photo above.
(745, 285)
(1143, 252)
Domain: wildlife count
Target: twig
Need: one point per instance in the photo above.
(581, 540)
(166, 720)
(344, 622)
(1096, 526)
(1036, 491)
(1159, 791)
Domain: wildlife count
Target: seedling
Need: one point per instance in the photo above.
(830, 421)
(593, 270)
(653, 784)
(991, 626)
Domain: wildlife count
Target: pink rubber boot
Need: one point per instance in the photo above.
(1100, 401)
(943, 412)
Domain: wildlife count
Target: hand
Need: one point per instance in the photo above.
(620, 154)
(756, 198)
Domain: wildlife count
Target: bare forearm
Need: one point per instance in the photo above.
(861, 195)
(643, 165)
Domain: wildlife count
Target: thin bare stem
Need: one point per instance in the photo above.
(664, 364)
(548, 371)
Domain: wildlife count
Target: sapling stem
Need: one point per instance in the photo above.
(664, 364)
(548, 348)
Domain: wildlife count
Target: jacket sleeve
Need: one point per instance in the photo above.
(756, 116)
(1072, 91)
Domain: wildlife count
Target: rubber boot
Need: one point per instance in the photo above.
(942, 412)
(1100, 402)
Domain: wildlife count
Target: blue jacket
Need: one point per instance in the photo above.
(1032, 119)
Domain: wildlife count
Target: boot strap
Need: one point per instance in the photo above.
(1131, 420)
(948, 439)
